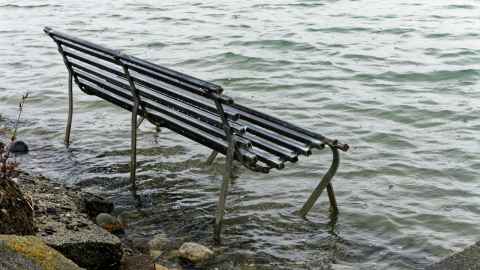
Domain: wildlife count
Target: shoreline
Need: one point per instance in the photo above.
(64, 222)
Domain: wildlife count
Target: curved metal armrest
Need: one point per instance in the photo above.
(324, 183)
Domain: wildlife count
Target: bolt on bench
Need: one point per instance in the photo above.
(192, 108)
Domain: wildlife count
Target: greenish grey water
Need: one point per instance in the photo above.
(397, 80)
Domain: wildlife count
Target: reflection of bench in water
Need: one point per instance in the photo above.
(195, 109)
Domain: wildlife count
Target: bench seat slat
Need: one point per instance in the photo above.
(215, 131)
(281, 125)
(258, 141)
(181, 127)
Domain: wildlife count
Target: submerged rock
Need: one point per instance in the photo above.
(137, 262)
(93, 204)
(196, 253)
(29, 252)
(109, 222)
(158, 245)
(16, 211)
(18, 147)
(160, 267)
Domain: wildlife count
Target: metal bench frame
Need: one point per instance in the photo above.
(215, 93)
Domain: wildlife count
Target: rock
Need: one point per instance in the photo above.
(160, 267)
(137, 262)
(109, 222)
(29, 252)
(463, 260)
(88, 246)
(196, 253)
(16, 211)
(93, 204)
(158, 244)
(18, 147)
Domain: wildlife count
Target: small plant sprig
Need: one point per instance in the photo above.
(20, 110)
(8, 167)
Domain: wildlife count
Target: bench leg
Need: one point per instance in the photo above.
(211, 158)
(223, 192)
(332, 199)
(133, 153)
(70, 109)
(324, 183)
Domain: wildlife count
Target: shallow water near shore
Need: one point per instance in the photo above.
(398, 81)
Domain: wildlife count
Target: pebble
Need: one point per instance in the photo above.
(109, 222)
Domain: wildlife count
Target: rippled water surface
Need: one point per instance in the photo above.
(397, 80)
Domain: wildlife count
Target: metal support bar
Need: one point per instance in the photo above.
(70, 95)
(332, 199)
(133, 154)
(211, 158)
(227, 175)
(70, 109)
(324, 183)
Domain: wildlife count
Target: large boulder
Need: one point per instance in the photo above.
(16, 211)
(29, 252)
(86, 244)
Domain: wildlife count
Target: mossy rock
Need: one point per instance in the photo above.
(29, 252)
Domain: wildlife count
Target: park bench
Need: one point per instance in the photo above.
(195, 109)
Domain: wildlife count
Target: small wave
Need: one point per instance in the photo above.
(434, 76)
(363, 57)
(28, 6)
(437, 35)
(156, 44)
(458, 54)
(396, 31)
(339, 29)
(457, 6)
(275, 44)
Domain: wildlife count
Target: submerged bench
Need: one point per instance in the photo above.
(195, 109)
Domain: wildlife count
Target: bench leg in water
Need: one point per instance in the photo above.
(324, 183)
(227, 176)
(70, 109)
(211, 158)
(135, 125)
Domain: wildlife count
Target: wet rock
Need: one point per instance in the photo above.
(29, 252)
(463, 260)
(196, 253)
(160, 267)
(109, 222)
(18, 147)
(137, 262)
(16, 211)
(158, 244)
(90, 246)
(93, 204)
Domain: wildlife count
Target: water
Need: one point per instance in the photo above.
(397, 80)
